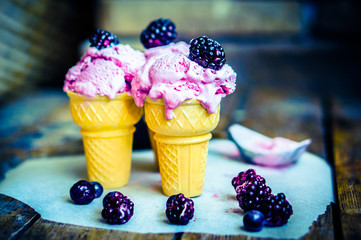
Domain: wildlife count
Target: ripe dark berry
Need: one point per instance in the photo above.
(207, 52)
(277, 210)
(253, 221)
(118, 209)
(103, 39)
(251, 190)
(254, 194)
(179, 209)
(250, 195)
(82, 192)
(98, 188)
(242, 177)
(159, 32)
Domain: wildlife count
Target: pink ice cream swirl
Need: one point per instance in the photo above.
(105, 72)
(175, 79)
(172, 48)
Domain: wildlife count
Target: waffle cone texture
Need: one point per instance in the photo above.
(182, 144)
(107, 127)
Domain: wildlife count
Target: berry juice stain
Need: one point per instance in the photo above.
(231, 197)
(215, 195)
(236, 210)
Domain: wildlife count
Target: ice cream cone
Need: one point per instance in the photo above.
(182, 144)
(107, 126)
(153, 144)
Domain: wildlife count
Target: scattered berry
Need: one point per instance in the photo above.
(159, 32)
(277, 210)
(98, 188)
(179, 209)
(253, 221)
(118, 209)
(251, 194)
(242, 177)
(103, 39)
(82, 192)
(207, 52)
(254, 194)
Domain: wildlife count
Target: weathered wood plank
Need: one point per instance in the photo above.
(322, 228)
(347, 154)
(44, 229)
(15, 217)
(285, 113)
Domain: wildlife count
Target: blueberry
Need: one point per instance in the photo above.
(98, 189)
(253, 221)
(82, 192)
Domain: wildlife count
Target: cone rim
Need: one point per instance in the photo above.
(119, 96)
(160, 101)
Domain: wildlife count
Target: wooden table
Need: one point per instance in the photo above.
(332, 122)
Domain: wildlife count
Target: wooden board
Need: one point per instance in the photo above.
(346, 136)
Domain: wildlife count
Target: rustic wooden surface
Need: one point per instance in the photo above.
(271, 111)
(346, 122)
(15, 217)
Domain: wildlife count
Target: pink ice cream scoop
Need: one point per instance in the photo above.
(172, 48)
(141, 84)
(107, 72)
(175, 78)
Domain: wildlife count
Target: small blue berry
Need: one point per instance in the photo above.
(253, 221)
(98, 188)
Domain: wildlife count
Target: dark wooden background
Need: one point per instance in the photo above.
(297, 80)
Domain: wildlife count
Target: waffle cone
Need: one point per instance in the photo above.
(107, 128)
(182, 144)
(153, 144)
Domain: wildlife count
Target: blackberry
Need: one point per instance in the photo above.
(251, 189)
(254, 194)
(159, 32)
(242, 177)
(82, 192)
(103, 39)
(250, 194)
(253, 221)
(179, 209)
(98, 188)
(118, 209)
(277, 210)
(207, 52)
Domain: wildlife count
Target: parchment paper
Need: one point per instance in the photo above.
(44, 184)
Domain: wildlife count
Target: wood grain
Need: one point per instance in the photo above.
(44, 229)
(15, 217)
(347, 154)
